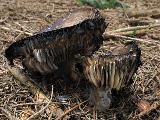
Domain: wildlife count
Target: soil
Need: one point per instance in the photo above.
(136, 102)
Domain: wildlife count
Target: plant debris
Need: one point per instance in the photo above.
(20, 18)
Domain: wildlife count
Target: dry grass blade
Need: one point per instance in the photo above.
(135, 28)
(131, 38)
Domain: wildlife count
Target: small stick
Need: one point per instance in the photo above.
(135, 28)
(142, 13)
(37, 113)
(131, 38)
(139, 32)
(23, 104)
(70, 110)
(135, 22)
(18, 36)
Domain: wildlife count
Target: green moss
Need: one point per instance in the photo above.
(102, 4)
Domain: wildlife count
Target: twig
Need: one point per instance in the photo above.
(18, 36)
(37, 113)
(70, 110)
(131, 38)
(23, 104)
(135, 28)
(139, 32)
(8, 115)
(16, 30)
(142, 13)
(135, 22)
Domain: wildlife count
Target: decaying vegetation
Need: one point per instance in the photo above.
(21, 99)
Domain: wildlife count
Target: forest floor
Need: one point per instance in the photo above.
(141, 102)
